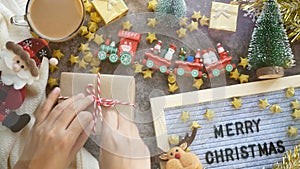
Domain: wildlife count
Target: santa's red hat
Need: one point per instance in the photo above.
(32, 51)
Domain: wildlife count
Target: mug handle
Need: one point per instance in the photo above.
(19, 20)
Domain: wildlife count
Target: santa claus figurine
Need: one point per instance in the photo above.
(19, 66)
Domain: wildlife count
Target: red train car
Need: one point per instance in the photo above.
(157, 63)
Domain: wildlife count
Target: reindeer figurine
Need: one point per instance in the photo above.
(179, 159)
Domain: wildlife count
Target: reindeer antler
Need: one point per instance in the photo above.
(188, 138)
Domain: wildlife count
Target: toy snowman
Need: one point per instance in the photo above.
(19, 66)
(171, 50)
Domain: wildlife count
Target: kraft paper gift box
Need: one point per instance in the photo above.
(111, 13)
(117, 87)
(223, 16)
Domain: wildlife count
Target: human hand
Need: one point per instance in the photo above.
(58, 133)
(120, 144)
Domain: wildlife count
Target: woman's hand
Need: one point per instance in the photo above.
(58, 133)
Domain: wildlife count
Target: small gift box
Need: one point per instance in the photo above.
(223, 16)
(112, 87)
(110, 10)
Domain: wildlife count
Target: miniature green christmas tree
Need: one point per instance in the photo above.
(269, 49)
(172, 10)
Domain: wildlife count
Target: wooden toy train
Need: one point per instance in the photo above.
(204, 61)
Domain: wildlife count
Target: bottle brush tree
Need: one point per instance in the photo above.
(269, 49)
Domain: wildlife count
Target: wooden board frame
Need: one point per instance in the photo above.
(159, 104)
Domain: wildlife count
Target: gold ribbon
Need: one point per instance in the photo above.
(222, 11)
(111, 3)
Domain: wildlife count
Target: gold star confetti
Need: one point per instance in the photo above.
(94, 16)
(174, 139)
(53, 82)
(138, 68)
(126, 25)
(295, 104)
(263, 103)
(95, 70)
(171, 78)
(88, 6)
(188, 149)
(290, 92)
(296, 114)
(275, 108)
(147, 73)
(204, 21)
(57, 54)
(83, 30)
(90, 36)
(194, 125)
(98, 39)
(236, 103)
(193, 26)
(185, 116)
(197, 15)
(244, 78)
(88, 57)
(151, 37)
(95, 61)
(209, 114)
(292, 131)
(198, 83)
(152, 5)
(235, 74)
(244, 62)
(181, 32)
(93, 26)
(173, 87)
(53, 68)
(183, 21)
(82, 64)
(84, 47)
(73, 59)
(152, 22)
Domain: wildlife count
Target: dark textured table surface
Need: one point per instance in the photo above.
(237, 43)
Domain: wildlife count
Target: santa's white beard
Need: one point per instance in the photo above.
(10, 77)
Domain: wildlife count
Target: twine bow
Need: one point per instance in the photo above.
(98, 102)
(222, 11)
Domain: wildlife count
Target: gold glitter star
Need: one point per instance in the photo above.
(126, 25)
(296, 114)
(98, 39)
(88, 57)
(94, 16)
(90, 36)
(244, 62)
(295, 104)
(95, 61)
(235, 74)
(198, 83)
(95, 70)
(185, 116)
(84, 47)
(244, 78)
(197, 15)
(82, 64)
(152, 22)
(194, 125)
(292, 131)
(171, 78)
(88, 6)
(93, 26)
(83, 30)
(151, 37)
(181, 32)
(290, 92)
(147, 73)
(236, 103)
(53, 68)
(73, 59)
(138, 68)
(174, 139)
(183, 21)
(263, 103)
(152, 5)
(275, 108)
(53, 82)
(204, 21)
(57, 54)
(173, 87)
(209, 114)
(193, 26)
